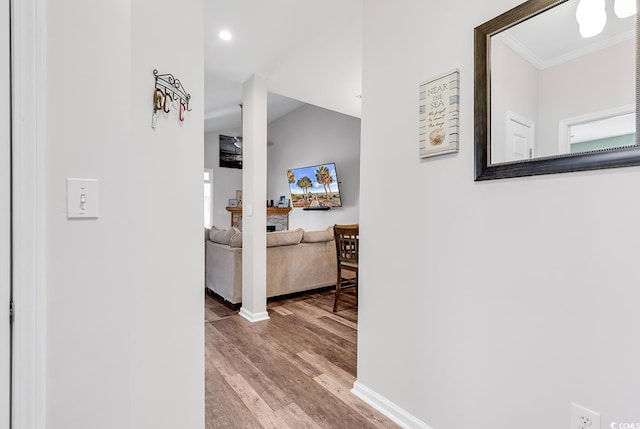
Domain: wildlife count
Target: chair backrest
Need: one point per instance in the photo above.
(347, 238)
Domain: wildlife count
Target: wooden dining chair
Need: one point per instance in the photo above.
(347, 244)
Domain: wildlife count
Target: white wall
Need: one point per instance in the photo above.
(493, 304)
(514, 87)
(226, 181)
(124, 301)
(603, 80)
(308, 136)
(168, 345)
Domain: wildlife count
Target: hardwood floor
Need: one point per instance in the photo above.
(294, 370)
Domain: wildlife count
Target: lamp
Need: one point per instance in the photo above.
(624, 8)
(591, 16)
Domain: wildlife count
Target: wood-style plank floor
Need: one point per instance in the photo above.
(294, 370)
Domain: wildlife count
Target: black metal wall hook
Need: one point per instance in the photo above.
(169, 86)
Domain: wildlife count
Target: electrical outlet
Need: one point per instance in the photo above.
(582, 418)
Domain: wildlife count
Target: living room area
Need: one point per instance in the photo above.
(305, 136)
(299, 135)
(297, 367)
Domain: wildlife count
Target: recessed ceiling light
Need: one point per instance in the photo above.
(225, 35)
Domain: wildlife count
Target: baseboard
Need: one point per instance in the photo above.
(388, 408)
(251, 317)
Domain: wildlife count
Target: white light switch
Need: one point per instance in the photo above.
(82, 198)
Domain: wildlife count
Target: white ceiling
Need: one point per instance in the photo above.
(308, 50)
(554, 37)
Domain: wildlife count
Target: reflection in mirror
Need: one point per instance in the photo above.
(612, 132)
(554, 92)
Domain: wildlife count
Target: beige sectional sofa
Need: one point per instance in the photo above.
(297, 260)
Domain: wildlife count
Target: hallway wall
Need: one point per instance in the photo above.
(494, 304)
(124, 292)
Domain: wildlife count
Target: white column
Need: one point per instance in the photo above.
(254, 196)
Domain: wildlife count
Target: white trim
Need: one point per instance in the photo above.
(519, 48)
(210, 183)
(29, 388)
(590, 49)
(392, 411)
(564, 140)
(210, 171)
(5, 216)
(251, 317)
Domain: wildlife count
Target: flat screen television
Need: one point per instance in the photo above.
(316, 186)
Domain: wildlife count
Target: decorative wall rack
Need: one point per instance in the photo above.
(169, 92)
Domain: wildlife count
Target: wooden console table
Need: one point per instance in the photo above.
(278, 216)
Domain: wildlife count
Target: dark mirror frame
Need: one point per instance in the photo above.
(610, 158)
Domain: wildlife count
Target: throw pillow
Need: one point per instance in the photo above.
(236, 240)
(221, 236)
(317, 236)
(284, 238)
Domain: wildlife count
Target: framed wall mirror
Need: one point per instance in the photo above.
(553, 94)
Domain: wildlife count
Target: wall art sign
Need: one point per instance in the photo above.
(169, 94)
(439, 114)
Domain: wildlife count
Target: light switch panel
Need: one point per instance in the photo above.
(82, 198)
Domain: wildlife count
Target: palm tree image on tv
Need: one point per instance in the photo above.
(305, 183)
(324, 191)
(323, 176)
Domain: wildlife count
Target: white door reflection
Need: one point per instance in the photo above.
(520, 137)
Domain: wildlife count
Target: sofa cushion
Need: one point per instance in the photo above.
(222, 236)
(284, 238)
(206, 234)
(236, 240)
(318, 236)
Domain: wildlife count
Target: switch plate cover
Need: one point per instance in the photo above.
(82, 198)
